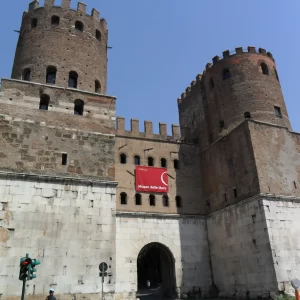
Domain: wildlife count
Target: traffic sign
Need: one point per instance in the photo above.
(103, 267)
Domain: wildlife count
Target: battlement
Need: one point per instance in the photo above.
(148, 130)
(216, 59)
(66, 4)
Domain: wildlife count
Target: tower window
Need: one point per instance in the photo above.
(137, 160)
(138, 199)
(98, 35)
(123, 159)
(235, 192)
(78, 107)
(34, 22)
(64, 159)
(278, 111)
(176, 164)
(79, 25)
(51, 75)
(26, 74)
(44, 102)
(211, 83)
(123, 197)
(150, 161)
(55, 20)
(226, 74)
(264, 69)
(178, 201)
(247, 115)
(73, 79)
(163, 163)
(97, 86)
(165, 199)
(222, 125)
(152, 200)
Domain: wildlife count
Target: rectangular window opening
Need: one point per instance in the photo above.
(278, 111)
(235, 192)
(64, 159)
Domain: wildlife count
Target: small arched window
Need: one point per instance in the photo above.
(26, 74)
(163, 163)
(78, 107)
(211, 83)
(34, 22)
(226, 74)
(98, 35)
(55, 20)
(176, 164)
(123, 198)
(123, 158)
(165, 199)
(97, 86)
(178, 201)
(79, 25)
(137, 160)
(247, 115)
(138, 199)
(44, 102)
(51, 75)
(152, 200)
(264, 69)
(73, 79)
(150, 161)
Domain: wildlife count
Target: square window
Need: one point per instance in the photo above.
(278, 111)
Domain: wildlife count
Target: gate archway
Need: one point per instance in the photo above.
(156, 264)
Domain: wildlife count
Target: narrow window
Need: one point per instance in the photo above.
(225, 197)
(55, 20)
(226, 74)
(97, 86)
(178, 201)
(73, 79)
(278, 111)
(123, 197)
(79, 25)
(222, 125)
(98, 35)
(137, 160)
(26, 74)
(44, 102)
(152, 200)
(163, 163)
(78, 107)
(211, 83)
(150, 161)
(138, 199)
(64, 159)
(51, 75)
(247, 115)
(264, 69)
(276, 74)
(165, 199)
(123, 158)
(34, 22)
(176, 164)
(235, 192)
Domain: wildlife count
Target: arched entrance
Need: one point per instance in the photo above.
(156, 264)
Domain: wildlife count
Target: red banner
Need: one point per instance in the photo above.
(149, 179)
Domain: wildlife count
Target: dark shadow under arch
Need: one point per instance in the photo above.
(156, 263)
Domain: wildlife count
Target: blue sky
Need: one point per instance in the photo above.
(159, 46)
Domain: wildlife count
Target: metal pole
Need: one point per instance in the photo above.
(23, 289)
(297, 295)
(102, 286)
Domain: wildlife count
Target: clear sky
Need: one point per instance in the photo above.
(159, 46)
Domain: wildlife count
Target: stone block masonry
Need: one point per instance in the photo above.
(68, 224)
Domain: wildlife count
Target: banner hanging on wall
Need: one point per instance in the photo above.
(149, 179)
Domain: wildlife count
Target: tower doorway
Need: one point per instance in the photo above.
(156, 271)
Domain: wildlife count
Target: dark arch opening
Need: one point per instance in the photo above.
(138, 199)
(165, 199)
(26, 74)
(123, 198)
(79, 25)
(152, 200)
(123, 158)
(98, 35)
(44, 102)
(55, 20)
(163, 163)
(264, 69)
(178, 201)
(226, 74)
(97, 86)
(176, 164)
(150, 161)
(137, 160)
(51, 75)
(34, 22)
(78, 107)
(247, 115)
(156, 271)
(73, 79)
